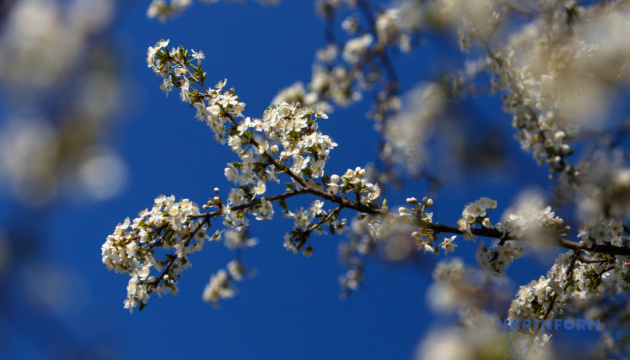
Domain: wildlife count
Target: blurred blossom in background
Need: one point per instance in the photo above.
(59, 90)
(59, 98)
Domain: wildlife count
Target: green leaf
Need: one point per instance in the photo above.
(293, 135)
(283, 204)
(142, 305)
(289, 186)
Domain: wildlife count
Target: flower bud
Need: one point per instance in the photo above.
(307, 252)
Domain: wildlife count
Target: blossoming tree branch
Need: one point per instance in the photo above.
(555, 71)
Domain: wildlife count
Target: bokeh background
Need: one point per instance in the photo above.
(87, 139)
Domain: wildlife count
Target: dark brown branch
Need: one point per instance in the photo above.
(335, 211)
(357, 206)
(249, 204)
(493, 233)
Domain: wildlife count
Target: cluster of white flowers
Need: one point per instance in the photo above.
(218, 288)
(285, 140)
(40, 55)
(527, 221)
(295, 129)
(221, 284)
(608, 231)
(354, 181)
(541, 129)
(476, 213)
(531, 220)
(425, 239)
(296, 93)
(216, 108)
(311, 221)
(356, 48)
(337, 84)
(389, 29)
(380, 227)
(574, 283)
(306, 222)
(345, 68)
(469, 293)
(496, 259)
(556, 72)
(363, 65)
(132, 248)
(367, 229)
(289, 134)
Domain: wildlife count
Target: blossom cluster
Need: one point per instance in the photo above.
(286, 140)
(496, 259)
(354, 181)
(305, 222)
(425, 238)
(575, 282)
(221, 284)
(476, 213)
(529, 219)
(312, 220)
(216, 107)
(218, 288)
(541, 129)
(555, 72)
(136, 247)
(606, 231)
(357, 62)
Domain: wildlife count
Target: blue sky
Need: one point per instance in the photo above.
(290, 310)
